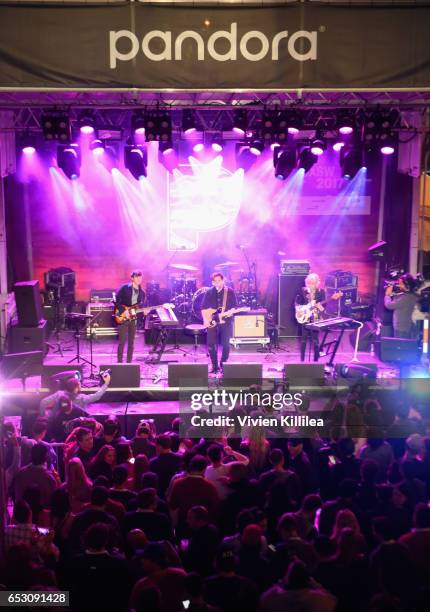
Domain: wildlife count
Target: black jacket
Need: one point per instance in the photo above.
(302, 297)
(124, 294)
(210, 299)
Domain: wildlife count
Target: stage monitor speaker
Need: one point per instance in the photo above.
(288, 288)
(123, 375)
(399, 350)
(187, 375)
(250, 324)
(49, 370)
(28, 303)
(242, 374)
(304, 373)
(21, 365)
(26, 339)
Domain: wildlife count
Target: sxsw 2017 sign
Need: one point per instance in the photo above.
(124, 45)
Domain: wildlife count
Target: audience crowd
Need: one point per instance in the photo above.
(164, 522)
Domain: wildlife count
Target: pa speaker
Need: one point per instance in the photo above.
(187, 374)
(50, 370)
(399, 350)
(288, 288)
(28, 303)
(242, 374)
(21, 365)
(123, 375)
(26, 339)
(304, 373)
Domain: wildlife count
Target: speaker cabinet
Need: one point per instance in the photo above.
(25, 339)
(288, 288)
(49, 370)
(21, 365)
(242, 374)
(399, 350)
(187, 374)
(123, 375)
(304, 373)
(28, 303)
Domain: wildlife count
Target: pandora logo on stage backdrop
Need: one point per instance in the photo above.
(221, 46)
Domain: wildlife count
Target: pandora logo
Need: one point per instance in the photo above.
(233, 46)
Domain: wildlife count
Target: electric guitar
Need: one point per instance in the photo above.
(305, 312)
(131, 312)
(213, 316)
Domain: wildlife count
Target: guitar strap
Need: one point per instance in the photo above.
(224, 300)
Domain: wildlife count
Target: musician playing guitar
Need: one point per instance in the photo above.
(127, 296)
(219, 299)
(309, 306)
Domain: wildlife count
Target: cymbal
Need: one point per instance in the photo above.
(179, 266)
(227, 264)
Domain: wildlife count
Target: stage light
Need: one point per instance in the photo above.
(294, 121)
(135, 160)
(165, 147)
(338, 145)
(281, 128)
(240, 121)
(138, 123)
(217, 143)
(55, 126)
(387, 138)
(69, 160)
(198, 147)
(318, 146)
(346, 123)
(387, 144)
(256, 147)
(307, 159)
(357, 372)
(97, 147)
(86, 122)
(244, 158)
(28, 144)
(284, 161)
(150, 126)
(351, 160)
(268, 133)
(188, 121)
(165, 127)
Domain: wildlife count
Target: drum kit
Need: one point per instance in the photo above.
(188, 299)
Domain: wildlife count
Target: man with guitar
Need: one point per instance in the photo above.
(129, 298)
(219, 304)
(309, 306)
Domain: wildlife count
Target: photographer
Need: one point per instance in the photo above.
(402, 303)
(72, 388)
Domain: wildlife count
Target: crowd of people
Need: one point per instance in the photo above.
(163, 522)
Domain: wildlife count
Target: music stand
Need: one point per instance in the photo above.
(78, 318)
(21, 365)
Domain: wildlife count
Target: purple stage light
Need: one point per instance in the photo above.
(139, 130)
(238, 130)
(168, 151)
(338, 145)
(29, 150)
(217, 147)
(346, 129)
(87, 129)
(317, 150)
(254, 151)
(293, 130)
(198, 148)
(97, 147)
(387, 150)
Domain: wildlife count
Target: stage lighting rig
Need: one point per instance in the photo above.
(55, 126)
(318, 145)
(256, 147)
(69, 160)
(188, 121)
(136, 160)
(138, 123)
(306, 158)
(240, 121)
(28, 143)
(294, 121)
(351, 160)
(217, 143)
(284, 161)
(86, 122)
(345, 123)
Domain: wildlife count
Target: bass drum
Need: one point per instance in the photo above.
(198, 301)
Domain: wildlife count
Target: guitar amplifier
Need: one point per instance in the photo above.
(251, 324)
(348, 298)
(339, 279)
(102, 295)
(103, 323)
(292, 267)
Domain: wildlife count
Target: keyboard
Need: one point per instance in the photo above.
(336, 323)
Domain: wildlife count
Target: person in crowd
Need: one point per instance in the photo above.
(38, 433)
(64, 414)
(77, 484)
(103, 463)
(166, 463)
(203, 543)
(140, 467)
(72, 389)
(279, 475)
(217, 472)
(417, 541)
(142, 442)
(300, 464)
(155, 525)
(402, 303)
(306, 516)
(380, 452)
(243, 493)
(80, 443)
(111, 434)
(194, 592)
(36, 473)
(119, 490)
(22, 528)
